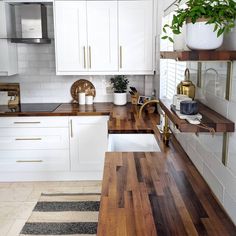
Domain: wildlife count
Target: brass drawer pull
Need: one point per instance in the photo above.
(90, 59)
(84, 57)
(28, 139)
(27, 122)
(71, 128)
(28, 161)
(121, 62)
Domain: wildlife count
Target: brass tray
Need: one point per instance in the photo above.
(82, 85)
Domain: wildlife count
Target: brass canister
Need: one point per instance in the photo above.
(186, 86)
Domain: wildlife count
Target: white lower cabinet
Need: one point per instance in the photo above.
(52, 148)
(88, 144)
(32, 148)
(34, 160)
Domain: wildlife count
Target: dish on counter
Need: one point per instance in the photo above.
(81, 86)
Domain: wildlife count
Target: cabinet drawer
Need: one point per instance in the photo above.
(31, 138)
(33, 122)
(31, 161)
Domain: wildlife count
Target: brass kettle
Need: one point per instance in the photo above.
(186, 87)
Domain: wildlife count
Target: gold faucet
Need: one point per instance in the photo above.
(166, 130)
(146, 103)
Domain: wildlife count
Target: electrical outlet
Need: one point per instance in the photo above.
(4, 98)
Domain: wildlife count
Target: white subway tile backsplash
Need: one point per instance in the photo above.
(195, 157)
(230, 206)
(214, 183)
(205, 151)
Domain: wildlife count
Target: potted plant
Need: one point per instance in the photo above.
(119, 84)
(206, 22)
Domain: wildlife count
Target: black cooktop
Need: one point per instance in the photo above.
(33, 107)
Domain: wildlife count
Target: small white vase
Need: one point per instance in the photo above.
(120, 99)
(200, 36)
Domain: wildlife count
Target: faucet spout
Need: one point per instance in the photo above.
(146, 103)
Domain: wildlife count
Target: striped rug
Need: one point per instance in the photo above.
(64, 214)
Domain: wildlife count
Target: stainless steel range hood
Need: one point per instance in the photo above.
(32, 27)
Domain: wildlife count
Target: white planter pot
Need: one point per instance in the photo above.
(179, 41)
(200, 36)
(120, 98)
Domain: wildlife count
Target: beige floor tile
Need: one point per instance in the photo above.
(16, 228)
(95, 189)
(14, 194)
(8, 209)
(64, 190)
(35, 195)
(5, 225)
(24, 211)
(22, 185)
(5, 185)
(80, 183)
(46, 184)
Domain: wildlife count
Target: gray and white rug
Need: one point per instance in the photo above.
(64, 214)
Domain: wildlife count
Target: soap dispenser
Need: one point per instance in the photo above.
(186, 87)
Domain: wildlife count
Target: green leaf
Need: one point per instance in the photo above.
(176, 32)
(164, 37)
(171, 40)
(216, 27)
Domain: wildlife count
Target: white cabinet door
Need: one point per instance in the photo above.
(136, 36)
(71, 35)
(88, 143)
(8, 50)
(102, 35)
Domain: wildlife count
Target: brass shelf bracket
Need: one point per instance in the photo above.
(228, 80)
(199, 74)
(166, 132)
(225, 148)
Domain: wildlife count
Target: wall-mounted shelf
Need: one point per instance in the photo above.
(199, 55)
(210, 119)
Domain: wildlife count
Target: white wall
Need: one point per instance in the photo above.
(204, 150)
(39, 83)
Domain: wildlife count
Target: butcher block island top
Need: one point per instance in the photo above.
(158, 194)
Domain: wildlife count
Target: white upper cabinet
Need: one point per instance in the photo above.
(102, 35)
(136, 36)
(8, 50)
(86, 36)
(71, 36)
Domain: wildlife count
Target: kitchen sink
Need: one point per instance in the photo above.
(132, 143)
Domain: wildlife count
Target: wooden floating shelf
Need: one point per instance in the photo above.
(210, 118)
(199, 55)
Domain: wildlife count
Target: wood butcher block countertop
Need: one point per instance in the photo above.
(123, 119)
(158, 194)
(149, 194)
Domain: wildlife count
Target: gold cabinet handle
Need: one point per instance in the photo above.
(28, 139)
(84, 57)
(27, 122)
(28, 161)
(121, 57)
(71, 128)
(90, 59)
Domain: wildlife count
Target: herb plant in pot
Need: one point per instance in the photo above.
(119, 84)
(206, 22)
